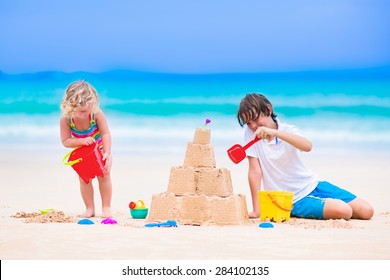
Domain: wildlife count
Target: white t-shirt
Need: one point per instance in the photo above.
(282, 168)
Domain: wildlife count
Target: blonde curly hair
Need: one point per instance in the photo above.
(78, 94)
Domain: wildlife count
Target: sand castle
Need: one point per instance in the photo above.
(198, 193)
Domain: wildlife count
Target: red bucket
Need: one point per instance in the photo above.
(87, 161)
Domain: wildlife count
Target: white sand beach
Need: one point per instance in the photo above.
(34, 181)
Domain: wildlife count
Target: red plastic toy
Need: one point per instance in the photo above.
(87, 161)
(237, 153)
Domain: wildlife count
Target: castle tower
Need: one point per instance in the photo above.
(198, 193)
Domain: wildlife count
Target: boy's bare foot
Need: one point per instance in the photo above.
(253, 215)
(88, 213)
(106, 212)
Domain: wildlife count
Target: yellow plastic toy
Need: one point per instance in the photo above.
(137, 205)
(275, 205)
(138, 209)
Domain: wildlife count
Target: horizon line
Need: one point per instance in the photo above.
(386, 68)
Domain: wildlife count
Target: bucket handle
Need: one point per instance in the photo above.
(277, 204)
(72, 162)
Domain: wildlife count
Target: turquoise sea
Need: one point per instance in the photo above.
(152, 113)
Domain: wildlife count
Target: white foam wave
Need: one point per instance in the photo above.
(305, 101)
(170, 134)
(317, 100)
(180, 134)
(211, 100)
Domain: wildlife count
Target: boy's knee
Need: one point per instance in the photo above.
(361, 209)
(368, 214)
(344, 212)
(365, 213)
(337, 209)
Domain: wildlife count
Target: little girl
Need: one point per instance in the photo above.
(82, 124)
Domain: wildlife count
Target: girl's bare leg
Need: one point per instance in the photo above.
(105, 187)
(87, 195)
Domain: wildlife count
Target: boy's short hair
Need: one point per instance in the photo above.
(252, 106)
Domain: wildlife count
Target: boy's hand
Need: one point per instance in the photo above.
(265, 133)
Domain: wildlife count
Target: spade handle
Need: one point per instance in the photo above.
(251, 143)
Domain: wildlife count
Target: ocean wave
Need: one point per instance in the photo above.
(286, 105)
(318, 100)
(201, 89)
(156, 108)
(180, 129)
(188, 100)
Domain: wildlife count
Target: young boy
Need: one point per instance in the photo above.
(275, 161)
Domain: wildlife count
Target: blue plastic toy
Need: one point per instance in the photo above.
(266, 225)
(85, 222)
(169, 223)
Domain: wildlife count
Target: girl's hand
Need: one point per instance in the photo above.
(88, 141)
(108, 158)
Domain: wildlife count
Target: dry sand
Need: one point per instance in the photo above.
(33, 181)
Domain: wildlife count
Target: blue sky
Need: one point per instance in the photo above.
(178, 36)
